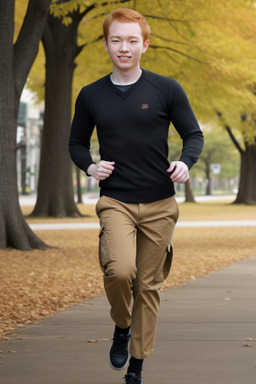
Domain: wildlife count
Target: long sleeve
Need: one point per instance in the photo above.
(185, 122)
(81, 130)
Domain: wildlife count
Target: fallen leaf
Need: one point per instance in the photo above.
(34, 285)
(97, 340)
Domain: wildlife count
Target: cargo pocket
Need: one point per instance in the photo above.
(165, 265)
(104, 250)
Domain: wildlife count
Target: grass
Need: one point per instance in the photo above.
(38, 283)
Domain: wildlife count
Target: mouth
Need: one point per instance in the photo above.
(124, 58)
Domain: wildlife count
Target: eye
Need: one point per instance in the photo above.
(115, 41)
(134, 41)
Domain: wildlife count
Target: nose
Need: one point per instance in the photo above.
(124, 46)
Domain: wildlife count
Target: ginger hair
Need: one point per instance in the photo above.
(126, 15)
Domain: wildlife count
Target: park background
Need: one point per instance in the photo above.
(209, 47)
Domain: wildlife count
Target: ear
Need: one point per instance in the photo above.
(105, 44)
(145, 45)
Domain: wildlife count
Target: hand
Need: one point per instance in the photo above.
(179, 172)
(102, 170)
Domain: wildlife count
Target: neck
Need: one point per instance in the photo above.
(123, 78)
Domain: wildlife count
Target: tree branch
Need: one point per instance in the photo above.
(231, 135)
(26, 46)
(114, 2)
(47, 34)
(176, 42)
(176, 51)
(168, 19)
(234, 140)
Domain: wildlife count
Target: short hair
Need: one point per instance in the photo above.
(126, 15)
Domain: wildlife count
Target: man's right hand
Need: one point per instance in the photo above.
(101, 170)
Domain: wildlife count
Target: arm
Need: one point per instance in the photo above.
(79, 142)
(81, 130)
(184, 121)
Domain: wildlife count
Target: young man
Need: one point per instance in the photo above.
(132, 109)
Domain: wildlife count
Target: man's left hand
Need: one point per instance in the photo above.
(179, 172)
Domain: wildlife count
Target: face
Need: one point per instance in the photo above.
(125, 45)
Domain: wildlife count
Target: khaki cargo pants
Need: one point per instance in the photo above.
(135, 252)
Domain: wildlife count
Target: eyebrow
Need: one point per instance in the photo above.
(129, 37)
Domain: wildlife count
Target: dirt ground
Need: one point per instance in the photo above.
(36, 284)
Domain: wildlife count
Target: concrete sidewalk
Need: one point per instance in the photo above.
(180, 224)
(91, 198)
(206, 335)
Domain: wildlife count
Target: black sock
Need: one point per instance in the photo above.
(122, 331)
(135, 366)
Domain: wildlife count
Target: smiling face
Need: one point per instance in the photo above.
(125, 46)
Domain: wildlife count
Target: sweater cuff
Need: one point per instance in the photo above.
(87, 169)
(187, 160)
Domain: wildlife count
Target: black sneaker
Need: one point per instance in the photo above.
(118, 354)
(132, 378)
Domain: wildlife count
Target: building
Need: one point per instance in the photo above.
(29, 131)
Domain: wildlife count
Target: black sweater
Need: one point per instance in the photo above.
(132, 129)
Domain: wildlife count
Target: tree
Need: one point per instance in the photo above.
(228, 91)
(55, 189)
(217, 149)
(189, 196)
(247, 183)
(16, 61)
(175, 144)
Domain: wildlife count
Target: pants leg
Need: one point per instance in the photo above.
(153, 261)
(117, 258)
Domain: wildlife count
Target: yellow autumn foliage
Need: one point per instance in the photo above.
(208, 46)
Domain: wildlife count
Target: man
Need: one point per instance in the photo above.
(132, 109)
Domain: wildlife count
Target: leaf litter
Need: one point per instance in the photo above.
(36, 284)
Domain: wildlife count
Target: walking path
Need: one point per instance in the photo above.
(92, 198)
(206, 335)
(187, 224)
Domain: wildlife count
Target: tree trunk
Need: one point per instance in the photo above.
(189, 197)
(247, 183)
(14, 231)
(208, 190)
(15, 63)
(55, 188)
(78, 186)
(23, 163)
